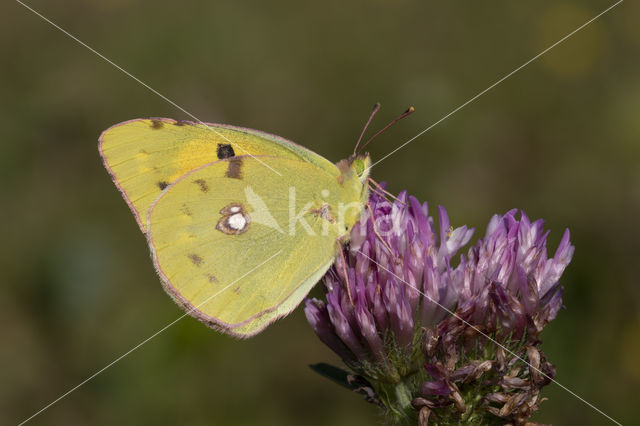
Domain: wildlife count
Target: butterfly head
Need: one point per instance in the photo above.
(354, 172)
(359, 165)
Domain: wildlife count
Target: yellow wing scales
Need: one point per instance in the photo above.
(220, 273)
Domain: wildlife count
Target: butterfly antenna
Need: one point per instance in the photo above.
(376, 107)
(400, 117)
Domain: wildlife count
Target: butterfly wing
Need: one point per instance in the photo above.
(144, 156)
(239, 247)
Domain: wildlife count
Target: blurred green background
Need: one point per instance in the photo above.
(560, 139)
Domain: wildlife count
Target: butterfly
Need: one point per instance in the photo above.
(241, 224)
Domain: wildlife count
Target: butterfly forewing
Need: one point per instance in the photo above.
(144, 156)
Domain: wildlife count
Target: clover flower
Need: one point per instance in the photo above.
(430, 336)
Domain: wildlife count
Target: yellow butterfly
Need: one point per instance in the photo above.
(241, 224)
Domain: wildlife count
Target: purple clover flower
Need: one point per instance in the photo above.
(395, 268)
(422, 326)
(507, 278)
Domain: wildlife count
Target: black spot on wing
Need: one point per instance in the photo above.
(202, 184)
(163, 184)
(157, 124)
(195, 259)
(234, 169)
(180, 122)
(225, 151)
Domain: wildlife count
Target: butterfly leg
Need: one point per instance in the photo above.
(377, 234)
(344, 269)
(377, 186)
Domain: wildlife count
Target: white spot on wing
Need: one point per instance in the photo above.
(234, 220)
(237, 222)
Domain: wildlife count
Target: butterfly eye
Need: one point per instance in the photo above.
(358, 165)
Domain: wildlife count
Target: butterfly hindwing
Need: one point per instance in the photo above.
(239, 246)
